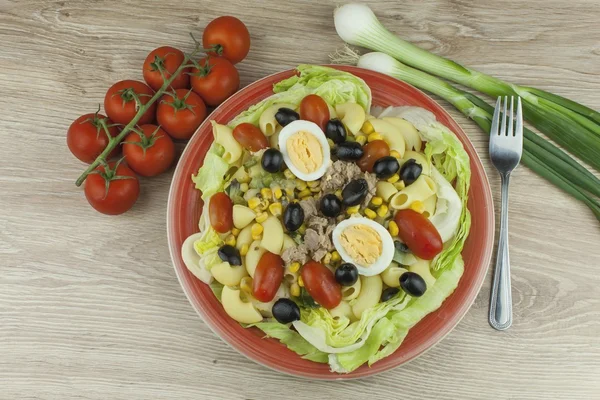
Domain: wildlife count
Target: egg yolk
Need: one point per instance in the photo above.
(305, 152)
(362, 243)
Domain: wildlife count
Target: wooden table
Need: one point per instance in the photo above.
(90, 306)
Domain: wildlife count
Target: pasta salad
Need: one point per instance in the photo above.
(331, 225)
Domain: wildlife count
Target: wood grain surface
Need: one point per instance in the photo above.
(90, 307)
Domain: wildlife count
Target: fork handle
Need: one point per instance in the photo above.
(501, 297)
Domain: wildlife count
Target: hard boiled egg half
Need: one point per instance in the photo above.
(364, 243)
(305, 149)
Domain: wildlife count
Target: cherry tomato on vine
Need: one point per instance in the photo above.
(121, 105)
(87, 137)
(320, 283)
(151, 153)
(419, 234)
(372, 152)
(169, 59)
(215, 81)
(220, 212)
(180, 113)
(313, 108)
(267, 277)
(112, 190)
(227, 37)
(250, 137)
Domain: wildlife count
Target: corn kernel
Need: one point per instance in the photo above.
(246, 284)
(395, 154)
(278, 193)
(302, 229)
(377, 201)
(244, 187)
(367, 127)
(304, 193)
(417, 206)
(300, 184)
(393, 228)
(327, 258)
(352, 210)
(244, 178)
(399, 185)
(288, 174)
(230, 240)
(254, 203)
(256, 229)
(312, 184)
(294, 267)
(362, 139)
(382, 210)
(244, 250)
(338, 193)
(257, 237)
(266, 193)
(315, 189)
(295, 290)
(290, 193)
(335, 256)
(276, 209)
(374, 136)
(300, 281)
(235, 231)
(394, 178)
(370, 213)
(261, 217)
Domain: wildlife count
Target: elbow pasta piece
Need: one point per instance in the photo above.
(224, 136)
(191, 259)
(421, 267)
(228, 275)
(391, 134)
(409, 132)
(237, 309)
(370, 293)
(244, 237)
(419, 190)
(429, 205)
(267, 122)
(351, 292)
(342, 310)
(287, 243)
(391, 275)
(272, 239)
(352, 116)
(253, 256)
(420, 159)
(242, 216)
(274, 138)
(290, 276)
(241, 175)
(386, 190)
(332, 113)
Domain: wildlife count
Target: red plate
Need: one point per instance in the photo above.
(185, 206)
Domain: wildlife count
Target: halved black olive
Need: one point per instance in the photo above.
(386, 167)
(401, 247)
(330, 205)
(413, 284)
(346, 274)
(286, 115)
(285, 311)
(272, 160)
(389, 293)
(230, 254)
(335, 131)
(410, 171)
(355, 192)
(348, 151)
(293, 217)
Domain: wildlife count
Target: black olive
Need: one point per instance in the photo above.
(413, 284)
(293, 217)
(286, 115)
(401, 247)
(389, 293)
(410, 171)
(346, 274)
(335, 131)
(348, 151)
(355, 192)
(286, 311)
(272, 160)
(386, 167)
(230, 254)
(330, 205)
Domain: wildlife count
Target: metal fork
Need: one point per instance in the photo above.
(506, 147)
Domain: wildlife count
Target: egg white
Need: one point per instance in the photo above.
(314, 130)
(387, 251)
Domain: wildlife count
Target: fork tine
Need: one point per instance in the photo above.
(519, 128)
(504, 117)
(496, 118)
(511, 118)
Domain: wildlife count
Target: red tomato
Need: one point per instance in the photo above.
(228, 37)
(169, 59)
(120, 103)
(112, 191)
(321, 284)
(215, 81)
(150, 154)
(220, 212)
(250, 137)
(313, 108)
(180, 113)
(87, 138)
(419, 234)
(267, 277)
(373, 151)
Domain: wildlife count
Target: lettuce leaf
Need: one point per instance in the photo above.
(292, 340)
(210, 179)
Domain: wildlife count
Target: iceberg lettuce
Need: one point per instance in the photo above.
(210, 177)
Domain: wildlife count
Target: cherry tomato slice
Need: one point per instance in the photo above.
(267, 277)
(321, 284)
(220, 212)
(250, 137)
(313, 108)
(419, 234)
(372, 152)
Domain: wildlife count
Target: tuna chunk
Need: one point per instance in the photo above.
(309, 206)
(338, 175)
(295, 254)
(372, 183)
